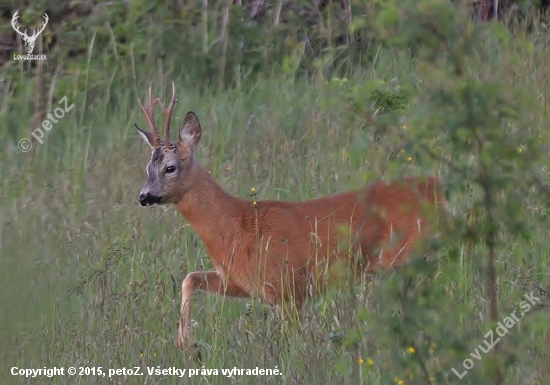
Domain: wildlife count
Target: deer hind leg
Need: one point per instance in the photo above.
(207, 281)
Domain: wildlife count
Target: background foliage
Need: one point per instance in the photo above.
(297, 99)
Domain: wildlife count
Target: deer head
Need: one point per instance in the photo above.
(29, 40)
(170, 170)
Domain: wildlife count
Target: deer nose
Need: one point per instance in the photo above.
(143, 198)
(148, 199)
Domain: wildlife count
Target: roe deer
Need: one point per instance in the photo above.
(275, 250)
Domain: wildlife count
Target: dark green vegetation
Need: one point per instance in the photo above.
(308, 107)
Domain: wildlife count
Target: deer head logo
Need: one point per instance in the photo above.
(29, 40)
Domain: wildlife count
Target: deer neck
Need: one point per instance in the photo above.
(213, 214)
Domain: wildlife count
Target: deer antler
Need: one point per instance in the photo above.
(34, 33)
(46, 18)
(15, 26)
(150, 117)
(168, 115)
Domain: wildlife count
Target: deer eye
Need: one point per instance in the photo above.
(170, 169)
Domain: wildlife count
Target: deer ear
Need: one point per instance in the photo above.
(190, 131)
(147, 136)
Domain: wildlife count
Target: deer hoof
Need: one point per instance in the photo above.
(194, 353)
(191, 349)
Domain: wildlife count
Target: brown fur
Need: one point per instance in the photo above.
(282, 252)
(254, 246)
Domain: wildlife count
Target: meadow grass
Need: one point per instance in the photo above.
(89, 278)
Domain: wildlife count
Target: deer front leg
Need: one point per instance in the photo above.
(210, 282)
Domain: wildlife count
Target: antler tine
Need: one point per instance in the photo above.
(46, 18)
(168, 115)
(15, 23)
(148, 112)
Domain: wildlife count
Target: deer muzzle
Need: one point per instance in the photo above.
(148, 200)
